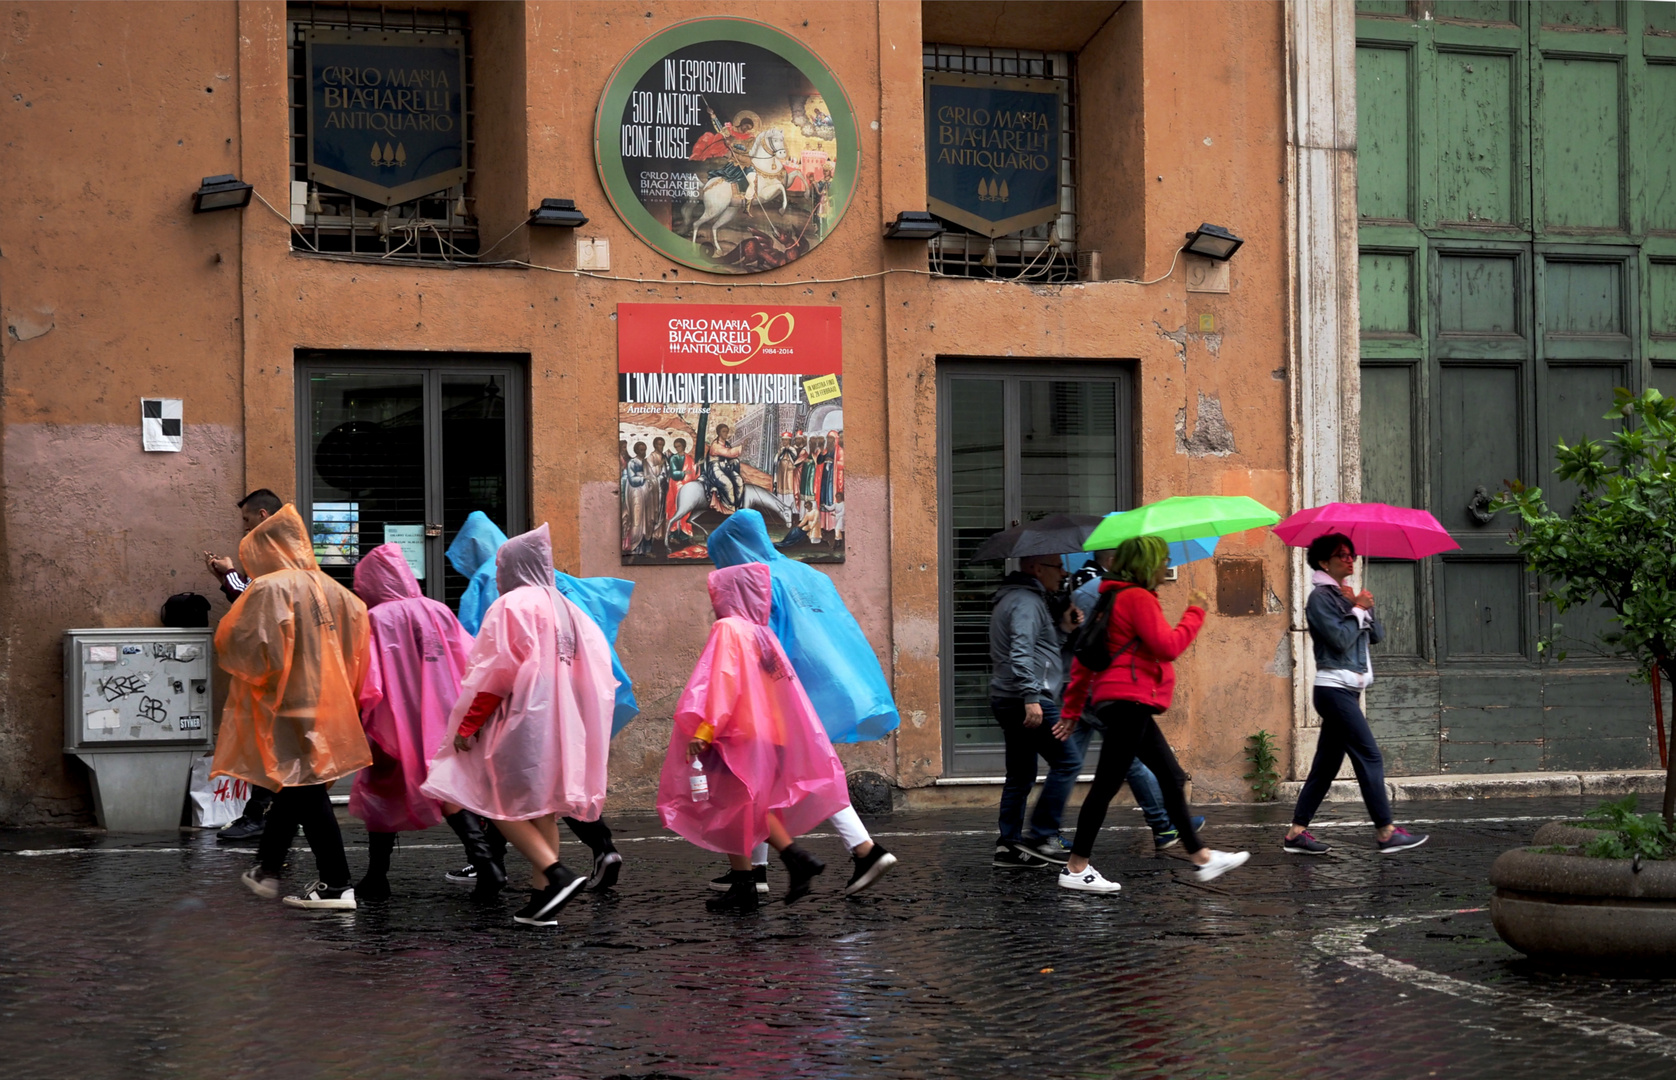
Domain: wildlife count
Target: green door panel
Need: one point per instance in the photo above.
(1396, 589)
(1479, 445)
(1583, 298)
(1658, 170)
(1478, 294)
(1476, 10)
(1483, 605)
(1386, 289)
(1384, 134)
(1582, 14)
(1382, 7)
(1659, 19)
(1582, 159)
(1475, 168)
(1661, 299)
(1388, 434)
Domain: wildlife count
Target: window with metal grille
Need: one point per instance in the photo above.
(1044, 252)
(438, 226)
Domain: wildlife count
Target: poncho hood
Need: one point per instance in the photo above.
(383, 575)
(742, 538)
(526, 559)
(280, 542)
(744, 592)
(475, 544)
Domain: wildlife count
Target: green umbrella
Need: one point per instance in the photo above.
(1184, 517)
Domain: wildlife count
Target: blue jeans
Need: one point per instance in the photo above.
(1144, 787)
(1024, 746)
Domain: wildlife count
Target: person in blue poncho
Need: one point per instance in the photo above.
(834, 662)
(606, 600)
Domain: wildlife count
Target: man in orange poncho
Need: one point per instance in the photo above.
(295, 644)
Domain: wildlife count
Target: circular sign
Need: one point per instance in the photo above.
(727, 146)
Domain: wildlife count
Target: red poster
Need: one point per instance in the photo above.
(723, 407)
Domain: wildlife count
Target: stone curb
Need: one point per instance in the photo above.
(1497, 786)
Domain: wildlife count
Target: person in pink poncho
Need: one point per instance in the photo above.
(416, 660)
(533, 721)
(748, 758)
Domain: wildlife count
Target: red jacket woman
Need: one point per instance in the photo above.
(1142, 644)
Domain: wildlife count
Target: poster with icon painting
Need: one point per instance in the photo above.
(723, 407)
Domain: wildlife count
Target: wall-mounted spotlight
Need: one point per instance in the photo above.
(560, 212)
(224, 192)
(913, 225)
(1213, 242)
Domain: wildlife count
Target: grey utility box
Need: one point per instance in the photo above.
(137, 712)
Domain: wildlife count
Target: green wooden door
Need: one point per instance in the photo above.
(1517, 202)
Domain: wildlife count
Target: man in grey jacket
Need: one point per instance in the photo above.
(1026, 635)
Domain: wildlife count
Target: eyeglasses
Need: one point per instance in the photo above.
(1344, 553)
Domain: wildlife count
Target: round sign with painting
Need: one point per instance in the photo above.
(727, 145)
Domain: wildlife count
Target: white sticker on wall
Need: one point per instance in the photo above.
(103, 720)
(160, 423)
(101, 654)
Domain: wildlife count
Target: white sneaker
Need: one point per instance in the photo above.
(1089, 880)
(1220, 863)
(319, 898)
(259, 883)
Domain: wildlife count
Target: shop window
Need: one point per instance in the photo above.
(433, 226)
(1015, 443)
(1046, 252)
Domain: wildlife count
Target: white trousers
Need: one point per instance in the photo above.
(846, 821)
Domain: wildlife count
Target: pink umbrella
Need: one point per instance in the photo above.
(1384, 532)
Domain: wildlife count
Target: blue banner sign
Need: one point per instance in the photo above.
(992, 150)
(387, 112)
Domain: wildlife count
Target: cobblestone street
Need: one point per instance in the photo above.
(127, 956)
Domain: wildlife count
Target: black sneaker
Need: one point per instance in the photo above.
(741, 894)
(1304, 843)
(607, 865)
(545, 904)
(1050, 850)
(869, 868)
(373, 889)
(759, 874)
(242, 829)
(1015, 856)
(1401, 840)
(465, 875)
(803, 868)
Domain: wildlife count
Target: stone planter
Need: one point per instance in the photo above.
(1570, 909)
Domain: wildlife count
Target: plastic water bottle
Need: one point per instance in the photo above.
(699, 783)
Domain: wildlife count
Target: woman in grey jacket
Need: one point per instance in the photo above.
(1342, 625)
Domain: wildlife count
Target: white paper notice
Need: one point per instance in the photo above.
(160, 423)
(101, 654)
(186, 652)
(411, 539)
(103, 720)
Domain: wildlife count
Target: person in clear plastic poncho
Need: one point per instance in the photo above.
(533, 722)
(415, 663)
(606, 601)
(748, 761)
(295, 644)
(835, 663)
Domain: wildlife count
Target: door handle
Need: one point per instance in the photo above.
(1479, 505)
(436, 530)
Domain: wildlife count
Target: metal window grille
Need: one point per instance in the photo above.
(1045, 252)
(435, 227)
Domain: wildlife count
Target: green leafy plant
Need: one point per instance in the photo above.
(1617, 547)
(1265, 780)
(1648, 836)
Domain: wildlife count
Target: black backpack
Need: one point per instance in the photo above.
(1088, 643)
(185, 610)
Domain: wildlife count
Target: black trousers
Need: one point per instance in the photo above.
(1131, 732)
(310, 807)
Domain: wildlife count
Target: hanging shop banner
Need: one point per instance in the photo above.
(727, 146)
(722, 407)
(387, 112)
(992, 151)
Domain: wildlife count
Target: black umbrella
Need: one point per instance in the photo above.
(1056, 534)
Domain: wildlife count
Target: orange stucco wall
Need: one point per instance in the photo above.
(1182, 121)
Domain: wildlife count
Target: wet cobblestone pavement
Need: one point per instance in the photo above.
(130, 957)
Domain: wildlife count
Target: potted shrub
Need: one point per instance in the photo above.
(1609, 895)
